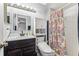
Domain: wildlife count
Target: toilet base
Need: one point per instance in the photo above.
(44, 54)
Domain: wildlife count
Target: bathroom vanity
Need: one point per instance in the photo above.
(23, 47)
(20, 35)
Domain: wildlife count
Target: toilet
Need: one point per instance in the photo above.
(44, 48)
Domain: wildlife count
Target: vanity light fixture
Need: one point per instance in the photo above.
(19, 6)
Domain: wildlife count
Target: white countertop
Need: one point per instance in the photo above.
(19, 38)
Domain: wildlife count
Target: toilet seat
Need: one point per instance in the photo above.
(44, 47)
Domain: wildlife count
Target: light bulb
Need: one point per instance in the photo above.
(31, 8)
(23, 5)
(18, 4)
(11, 4)
(27, 7)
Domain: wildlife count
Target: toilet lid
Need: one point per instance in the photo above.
(44, 47)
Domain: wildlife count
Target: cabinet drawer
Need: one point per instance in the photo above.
(16, 52)
(27, 41)
(29, 48)
(26, 45)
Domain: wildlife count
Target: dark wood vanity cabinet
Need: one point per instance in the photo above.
(24, 47)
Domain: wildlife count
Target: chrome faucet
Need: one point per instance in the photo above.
(22, 34)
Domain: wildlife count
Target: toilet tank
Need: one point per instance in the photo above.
(40, 39)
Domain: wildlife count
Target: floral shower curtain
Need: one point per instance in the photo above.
(56, 32)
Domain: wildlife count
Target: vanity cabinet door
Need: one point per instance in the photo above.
(13, 52)
(30, 50)
(26, 43)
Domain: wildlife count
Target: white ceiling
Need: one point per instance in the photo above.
(43, 4)
(47, 5)
(54, 5)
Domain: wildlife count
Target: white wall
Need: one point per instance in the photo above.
(71, 29)
(1, 25)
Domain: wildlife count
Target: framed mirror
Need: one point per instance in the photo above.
(21, 22)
